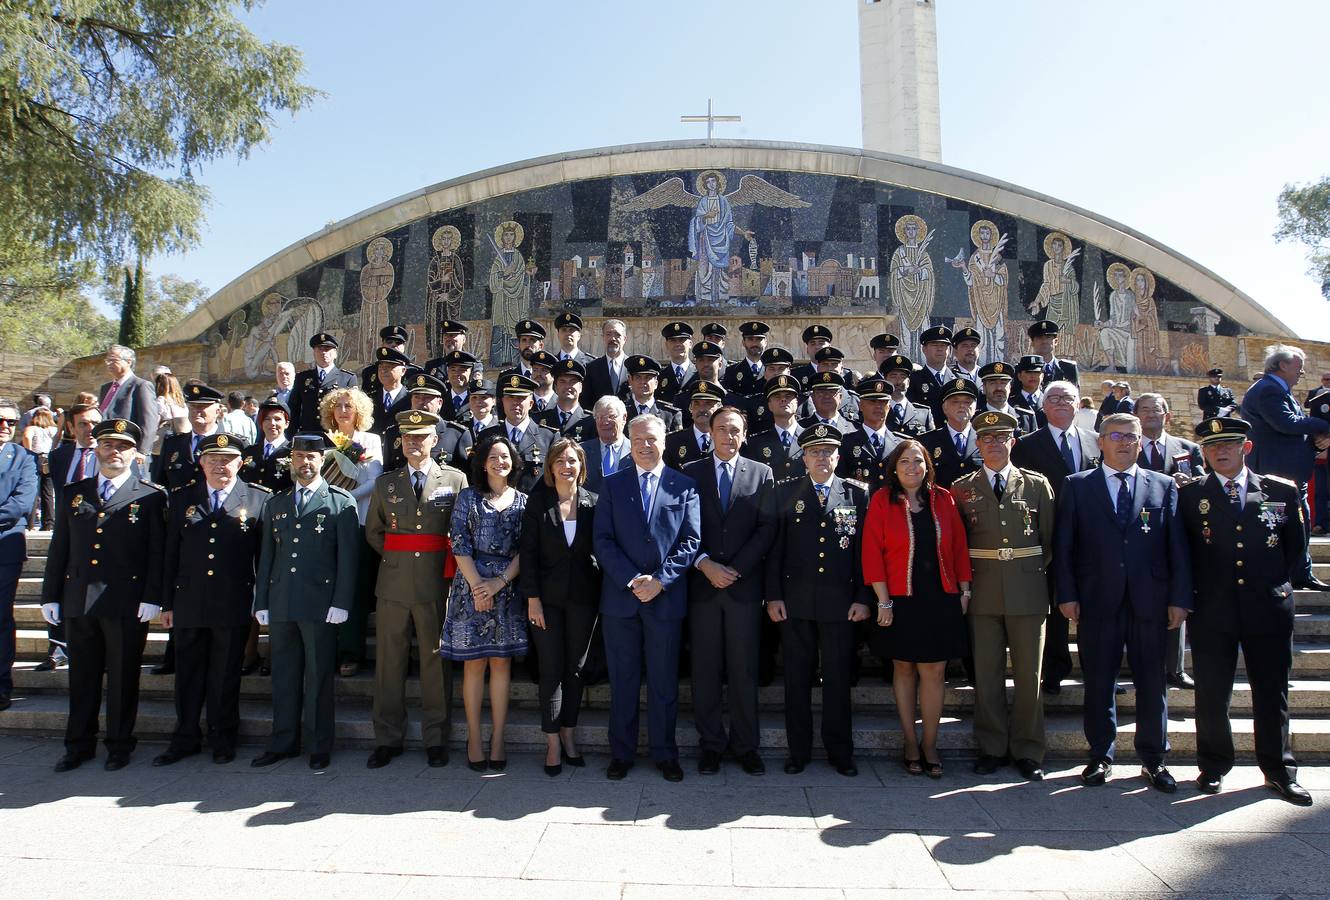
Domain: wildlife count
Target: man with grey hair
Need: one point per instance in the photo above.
(286, 379)
(1285, 440)
(606, 375)
(127, 396)
(609, 450)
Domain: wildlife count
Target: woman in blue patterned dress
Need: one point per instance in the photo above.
(485, 623)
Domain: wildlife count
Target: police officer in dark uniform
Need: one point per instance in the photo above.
(815, 337)
(454, 370)
(480, 412)
(775, 361)
(389, 394)
(903, 417)
(1044, 342)
(778, 446)
(392, 336)
(569, 328)
(694, 442)
(312, 384)
(566, 416)
(815, 587)
(965, 355)
(1029, 394)
(675, 371)
(452, 337)
(103, 579)
(267, 461)
(928, 381)
(953, 446)
(454, 443)
(531, 438)
(643, 378)
(212, 553)
(177, 464)
(1215, 396)
(995, 394)
(882, 346)
(745, 376)
(1247, 535)
(864, 451)
(826, 403)
(530, 340)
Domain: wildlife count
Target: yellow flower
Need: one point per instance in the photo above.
(340, 441)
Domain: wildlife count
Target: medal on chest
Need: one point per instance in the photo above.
(244, 519)
(318, 525)
(1145, 521)
(133, 513)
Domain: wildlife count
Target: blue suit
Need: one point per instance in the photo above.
(1125, 576)
(629, 543)
(18, 491)
(594, 476)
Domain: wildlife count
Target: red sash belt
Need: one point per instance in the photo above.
(422, 543)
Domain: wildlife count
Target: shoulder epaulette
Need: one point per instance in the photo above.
(861, 485)
(1283, 481)
(260, 488)
(160, 487)
(343, 491)
(666, 407)
(175, 490)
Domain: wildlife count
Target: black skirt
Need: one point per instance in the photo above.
(927, 625)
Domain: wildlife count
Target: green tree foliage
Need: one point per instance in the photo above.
(107, 107)
(47, 310)
(131, 309)
(165, 300)
(1304, 216)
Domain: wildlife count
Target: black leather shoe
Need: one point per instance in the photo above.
(1119, 690)
(1096, 773)
(794, 766)
(163, 669)
(670, 769)
(752, 763)
(1052, 688)
(481, 765)
(269, 758)
(171, 756)
(987, 765)
(265, 670)
(116, 761)
(1182, 680)
(437, 757)
(1209, 784)
(708, 763)
(1291, 791)
(382, 756)
(249, 668)
(1160, 778)
(618, 769)
(71, 761)
(846, 767)
(223, 757)
(1312, 584)
(498, 765)
(1030, 770)
(319, 760)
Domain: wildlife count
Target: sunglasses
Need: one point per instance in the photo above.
(9, 422)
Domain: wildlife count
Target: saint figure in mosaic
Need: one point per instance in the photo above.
(376, 283)
(913, 287)
(1059, 298)
(985, 274)
(1115, 336)
(510, 291)
(444, 283)
(1150, 356)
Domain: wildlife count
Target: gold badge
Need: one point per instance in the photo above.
(120, 426)
(415, 418)
(676, 328)
(683, 450)
(990, 419)
(420, 380)
(1216, 426)
(820, 431)
(515, 380)
(223, 440)
(999, 368)
(189, 513)
(766, 452)
(567, 363)
(78, 500)
(937, 453)
(1203, 507)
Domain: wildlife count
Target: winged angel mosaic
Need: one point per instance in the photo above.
(713, 226)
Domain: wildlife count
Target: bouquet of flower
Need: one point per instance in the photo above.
(340, 461)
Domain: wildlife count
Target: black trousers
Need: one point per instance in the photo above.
(726, 634)
(561, 652)
(1269, 659)
(304, 660)
(802, 640)
(1057, 647)
(103, 646)
(207, 674)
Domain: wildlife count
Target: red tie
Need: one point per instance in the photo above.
(110, 395)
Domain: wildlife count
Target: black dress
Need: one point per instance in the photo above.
(928, 625)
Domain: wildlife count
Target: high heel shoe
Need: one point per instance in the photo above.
(498, 765)
(477, 765)
(576, 762)
(555, 770)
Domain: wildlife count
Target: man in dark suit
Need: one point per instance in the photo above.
(694, 443)
(676, 369)
(18, 492)
(815, 587)
(212, 551)
(609, 451)
(532, 440)
(607, 376)
(389, 395)
(1318, 403)
(312, 384)
(566, 416)
(643, 377)
(126, 396)
(452, 338)
(954, 447)
(1055, 451)
(648, 528)
(995, 384)
(864, 451)
(725, 594)
(1124, 577)
(103, 579)
(1122, 390)
(928, 382)
(1284, 438)
(778, 447)
(1246, 538)
(267, 461)
(1215, 399)
(453, 442)
(1044, 342)
(1109, 404)
(177, 464)
(746, 376)
(568, 326)
(903, 417)
(394, 337)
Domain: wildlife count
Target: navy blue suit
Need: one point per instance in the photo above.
(1125, 575)
(593, 450)
(630, 543)
(18, 491)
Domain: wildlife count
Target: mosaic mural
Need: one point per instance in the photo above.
(726, 243)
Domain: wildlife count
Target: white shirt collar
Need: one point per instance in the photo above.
(660, 467)
(732, 462)
(323, 370)
(312, 487)
(1072, 437)
(508, 426)
(275, 445)
(116, 482)
(222, 492)
(698, 435)
(880, 432)
(1006, 473)
(1110, 472)
(954, 433)
(425, 469)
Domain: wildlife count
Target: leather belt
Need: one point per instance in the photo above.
(1007, 553)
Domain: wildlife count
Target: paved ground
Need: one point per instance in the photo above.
(201, 830)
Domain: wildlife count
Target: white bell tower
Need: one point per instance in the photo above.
(898, 77)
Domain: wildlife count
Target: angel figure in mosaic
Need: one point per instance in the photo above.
(913, 287)
(376, 283)
(1059, 297)
(985, 274)
(713, 227)
(444, 283)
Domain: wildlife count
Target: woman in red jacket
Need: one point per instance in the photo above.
(918, 563)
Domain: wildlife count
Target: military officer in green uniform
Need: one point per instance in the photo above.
(407, 524)
(1008, 516)
(952, 445)
(305, 588)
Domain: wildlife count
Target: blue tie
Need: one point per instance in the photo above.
(107, 490)
(960, 445)
(457, 402)
(216, 500)
(822, 491)
(1066, 454)
(785, 439)
(706, 443)
(1123, 508)
(646, 493)
(607, 460)
(876, 440)
(725, 484)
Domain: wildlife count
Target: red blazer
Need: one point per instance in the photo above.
(889, 543)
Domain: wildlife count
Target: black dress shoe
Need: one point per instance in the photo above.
(1312, 584)
(1160, 777)
(1291, 791)
(577, 762)
(987, 765)
(1052, 688)
(116, 761)
(319, 760)
(1030, 770)
(1209, 784)
(555, 770)
(171, 756)
(709, 763)
(163, 669)
(794, 766)
(618, 769)
(670, 770)
(498, 765)
(268, 758)
(265, 670)
(752, 763)
(437, 757)
(1097, 772)
(1182, 680)
(71, 761)
(382, 756)
(223, 757)
(249, 668)
(478, 765)
(846, 767)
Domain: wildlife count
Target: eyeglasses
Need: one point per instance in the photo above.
(10, 423)
(1059, 400)
(995, 438)
(1124, 437)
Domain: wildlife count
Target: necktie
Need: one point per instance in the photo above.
(641, 410)
(563, 419)
(1123, 507)
(706, 443)
(937, 376)
(822, 491)
(876, 440)
(516, 436)
(897, 413)
(785, 438)
(110, 395)
(457, 402)
(646, 493)
(614, 377)
(321, 374)
(540, 405)
(960, 445)
(387, 400)
(194, 447)
(107, 490)
(607, 460)
(302, 497)
(418, 483)
(1156, 461)
(1231, 488)
(79, 469)
(998, 487)
(726, 483)
(1066, 454)
(267, 450)
(216, 500)
(752, 367)
(678, 374)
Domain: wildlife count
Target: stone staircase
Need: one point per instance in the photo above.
(40, 701)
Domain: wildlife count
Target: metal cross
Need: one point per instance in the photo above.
(710, 118)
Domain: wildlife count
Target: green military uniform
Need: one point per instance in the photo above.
(1010, 543)
(307, 566)
(410, 532)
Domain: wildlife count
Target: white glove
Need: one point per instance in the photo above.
(148, 612)
(261, 616)
(336, 616)
(51, 613)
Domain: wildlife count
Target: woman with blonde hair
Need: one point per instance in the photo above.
(39, 437)
(172, 413)
(353, 460)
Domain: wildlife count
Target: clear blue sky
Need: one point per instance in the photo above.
(1182, 119)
